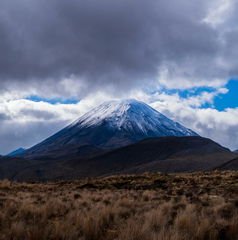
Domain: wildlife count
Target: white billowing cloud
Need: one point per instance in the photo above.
(25, 123)
(218, 12)
(29, 111)
(194, 100)
(183, 75)
(221, 126)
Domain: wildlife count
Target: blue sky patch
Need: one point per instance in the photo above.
(230, 99)
(53, 100)
(189, 92)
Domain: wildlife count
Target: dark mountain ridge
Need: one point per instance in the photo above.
(165, 154)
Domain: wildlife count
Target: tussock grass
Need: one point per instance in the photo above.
(202, 206)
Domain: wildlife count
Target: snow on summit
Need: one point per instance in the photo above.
(135, 116)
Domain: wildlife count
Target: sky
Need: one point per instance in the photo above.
(60, 58)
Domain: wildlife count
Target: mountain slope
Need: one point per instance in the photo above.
(16, 152)
(110, 125)
(166, 154)
(231, 165)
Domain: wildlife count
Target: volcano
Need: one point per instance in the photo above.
(110, 125)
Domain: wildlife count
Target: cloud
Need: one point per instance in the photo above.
(74, 48)
(218, 12)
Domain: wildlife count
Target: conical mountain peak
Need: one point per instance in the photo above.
(132, 115)
(116, 112)
(110, 125)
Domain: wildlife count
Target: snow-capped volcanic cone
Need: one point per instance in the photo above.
(112, 124)
(132, 118)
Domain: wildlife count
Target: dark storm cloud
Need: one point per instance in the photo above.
(101, 42)
(4, 117)
(231, 53)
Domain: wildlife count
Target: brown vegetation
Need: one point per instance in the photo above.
(147, 207)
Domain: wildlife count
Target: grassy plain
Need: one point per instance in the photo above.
(201, 206)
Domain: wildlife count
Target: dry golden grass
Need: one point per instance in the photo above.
(202, 206)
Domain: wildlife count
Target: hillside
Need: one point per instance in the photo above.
(168, 155)
(230, 165)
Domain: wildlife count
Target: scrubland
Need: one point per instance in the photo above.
(146, 207)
